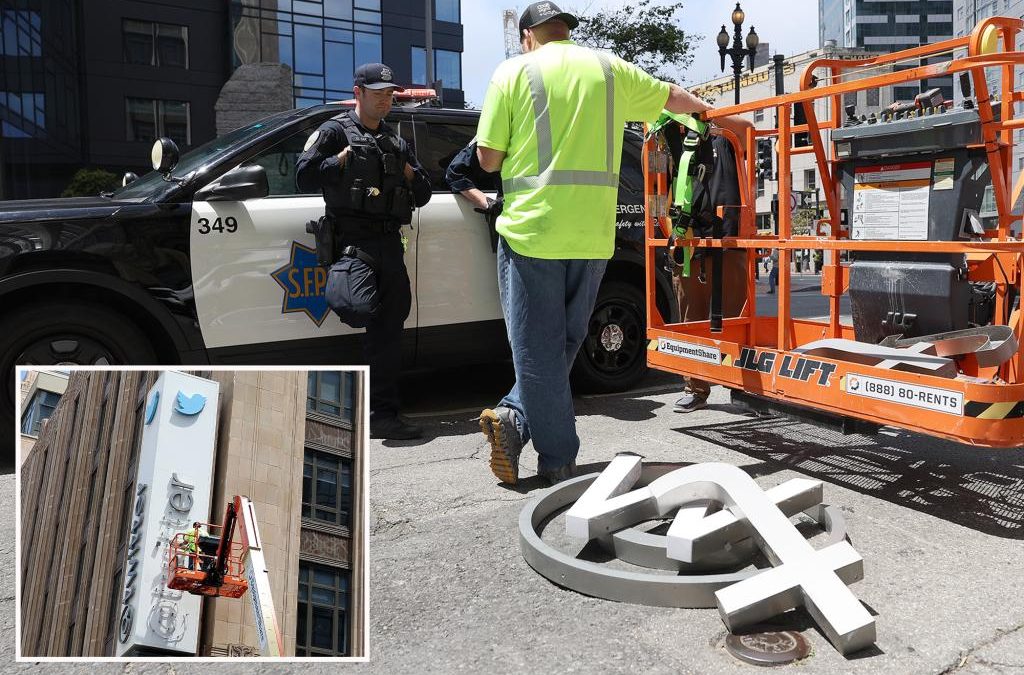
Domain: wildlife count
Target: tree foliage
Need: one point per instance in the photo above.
(90, 182)
(645, 34)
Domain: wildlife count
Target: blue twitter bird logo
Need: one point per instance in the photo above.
(189, 405)
(151, 406)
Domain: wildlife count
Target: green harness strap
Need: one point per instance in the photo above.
(683, 189)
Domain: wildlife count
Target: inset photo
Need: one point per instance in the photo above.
(215, 513)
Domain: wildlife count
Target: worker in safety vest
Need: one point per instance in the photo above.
(190, 545)
(198, 540)
(552, 124)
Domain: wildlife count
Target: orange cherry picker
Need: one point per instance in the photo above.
(934, 340)
(219, 566)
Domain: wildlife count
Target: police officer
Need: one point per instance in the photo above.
(467, 178)
(371, 181)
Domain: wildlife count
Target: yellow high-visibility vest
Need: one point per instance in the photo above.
(558, 113)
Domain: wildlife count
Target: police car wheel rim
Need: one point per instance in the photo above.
(612, 337)
(67, 350)
(620, 315)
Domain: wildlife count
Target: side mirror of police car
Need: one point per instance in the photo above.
(129, 178)
(244, 182)
(164, 155)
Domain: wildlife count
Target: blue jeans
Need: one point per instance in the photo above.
(547, 306)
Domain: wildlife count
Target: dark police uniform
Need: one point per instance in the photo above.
(465, 173)
(368, 200)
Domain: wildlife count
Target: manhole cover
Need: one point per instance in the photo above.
(768, 649)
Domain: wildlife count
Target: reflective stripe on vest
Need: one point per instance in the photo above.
(542, 119)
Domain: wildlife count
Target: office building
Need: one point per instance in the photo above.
(881, 26)
(40, 393)
(130, 459)
(966, 15)
(93, 84)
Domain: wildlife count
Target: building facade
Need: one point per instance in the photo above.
(883, 26)
(292, 441)
(94, 84)
(40, 393)
(966, 15)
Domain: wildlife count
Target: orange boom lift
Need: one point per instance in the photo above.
(935, 341)
(233, 568)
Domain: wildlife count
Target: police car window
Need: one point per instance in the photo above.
(207, 153)
(279, 160)
(444, 140)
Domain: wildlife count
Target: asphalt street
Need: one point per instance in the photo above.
(940, 527)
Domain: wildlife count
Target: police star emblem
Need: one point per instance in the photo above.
(303, 282)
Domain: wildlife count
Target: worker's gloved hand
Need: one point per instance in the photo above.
(493, 210)
(491, 213)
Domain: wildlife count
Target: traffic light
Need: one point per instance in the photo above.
(765, 161)
(802, 139)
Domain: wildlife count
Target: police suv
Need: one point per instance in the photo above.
(206, 260)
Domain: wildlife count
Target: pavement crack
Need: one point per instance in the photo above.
(382, 525)
(965, 656)
(402, 467)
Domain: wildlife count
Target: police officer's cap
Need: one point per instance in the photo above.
(542, 12)
(375, 76)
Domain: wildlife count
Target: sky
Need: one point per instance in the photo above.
(790, 26)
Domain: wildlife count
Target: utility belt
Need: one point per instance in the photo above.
(351, 289)
(328, 234)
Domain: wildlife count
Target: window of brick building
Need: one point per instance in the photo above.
(327, 488)
(323, 602)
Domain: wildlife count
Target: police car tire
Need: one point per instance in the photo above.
(119, 336)
(598, 370)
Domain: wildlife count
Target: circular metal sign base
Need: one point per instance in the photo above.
(769, 648)
(642, 586)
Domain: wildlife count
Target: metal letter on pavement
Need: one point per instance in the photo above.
(801, 575)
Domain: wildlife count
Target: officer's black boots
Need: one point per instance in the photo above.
(394, 428)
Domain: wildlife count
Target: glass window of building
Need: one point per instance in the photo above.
(29, 106)
(322, 41)
(20, 32)
(137, 39)
(149, 119)
(38, 409)
(447, 67)
(171, 46)
(447, 10)
(330, 392)
(155, 44)
(322, 616)
(327, 488)
(810, 179)
(419, 65)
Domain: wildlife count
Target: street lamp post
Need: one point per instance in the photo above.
(737, 51)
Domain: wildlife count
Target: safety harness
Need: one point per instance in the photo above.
(691, 200)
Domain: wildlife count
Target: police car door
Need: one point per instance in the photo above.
(255, 274)
(457, 289)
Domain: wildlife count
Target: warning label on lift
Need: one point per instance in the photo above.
(689, 350)
(929, 398)
(891, 201)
